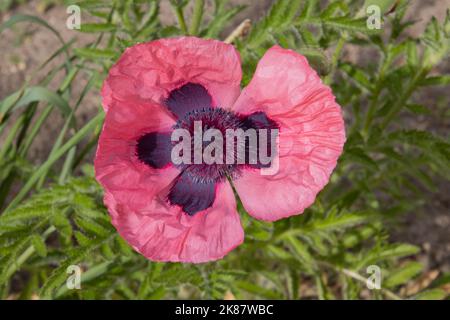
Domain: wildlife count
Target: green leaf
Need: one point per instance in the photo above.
(280, 17)
(33, 19)
(5, 5)
(339, 222)
(91, 53)
(59, 274)
(62, 223)
(220, 21)
(26, 213)
(82, 239)
(97, 27)
(398, 251)
(403, 274)
(92, 4)
(358, 235)
(124, 248)
(435, 146)
(437, 41)
(259, 230)
(358, 155)
(309, 8)
(333, 7)
(301, 252)
(434, 294)
(442, 80)
(357, 75)
(157, 294)
(418, 109)
(58, 154)
(344, 23)
(39, 245)
(92, 227)
(349, 24)
(317, 58)
(412, 56)
(33, 94)
(258, 290)
(389, 252)
(384, 5)
(278, 253)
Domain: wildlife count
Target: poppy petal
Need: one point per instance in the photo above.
(154, 149)
(150, 71)
(258, 120)
(193, 196)
(162, 232)
(311, 135)
(188, 98)
(117, 165)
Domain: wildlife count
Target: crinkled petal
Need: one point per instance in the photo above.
(311, 136)
(154, 149)
(136, 196)
(188, 98)
(192, 195)
(150, 71)
(117, 166)
(162, 232)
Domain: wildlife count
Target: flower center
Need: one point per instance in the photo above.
(234, 143)
(210, 119)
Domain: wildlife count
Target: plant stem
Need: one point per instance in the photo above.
(90, 274)
(180, 16)
(360, 278)
(62, 133)
(38, 124)
(196, 17)
(335, 57)
(85, 150)
(373, 105)
(9, 140)
(242, 28)
(67, 165)
(26, 254)
(403, 98)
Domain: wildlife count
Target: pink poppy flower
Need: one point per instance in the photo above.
(188, 213)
